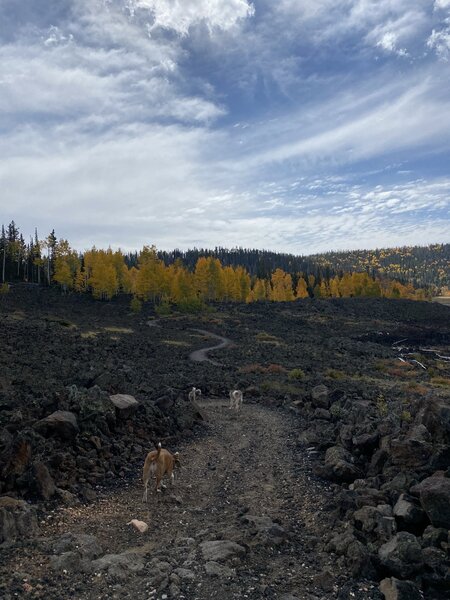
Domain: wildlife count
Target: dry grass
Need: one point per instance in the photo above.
(89, 335)
(175, 343)
(441, 381)
(118, 329)
(266, 338)
(17, 315)
(335, 374)
(63, 322)
(257, 368)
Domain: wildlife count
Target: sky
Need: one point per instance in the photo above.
(292, 125)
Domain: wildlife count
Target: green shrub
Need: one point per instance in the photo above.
(193, 305)
(296, 374)
(136, 304)
(4, 288)
(336, 410)
(406, 416)
(382, 406)
(163, 309)
(335, 374)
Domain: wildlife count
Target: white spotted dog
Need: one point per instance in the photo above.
(159, 463)
(194, 393)
(236, 399)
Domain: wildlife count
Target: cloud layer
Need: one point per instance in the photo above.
(299, 126)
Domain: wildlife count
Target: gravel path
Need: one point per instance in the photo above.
(243, 482)
(201, 355)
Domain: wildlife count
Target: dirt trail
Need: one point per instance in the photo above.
(201, 355)
(243, 480)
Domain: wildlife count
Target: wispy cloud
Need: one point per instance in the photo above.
(294, 125)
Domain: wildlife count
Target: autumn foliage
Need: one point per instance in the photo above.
(104, 273)
(149, 276)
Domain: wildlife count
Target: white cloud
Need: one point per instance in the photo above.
(439, 41)
(441, 4)
(181, 15)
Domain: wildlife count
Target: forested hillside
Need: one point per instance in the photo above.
(427, 266)
(194, 277)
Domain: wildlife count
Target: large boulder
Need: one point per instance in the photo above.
(339, 465)
(43, 482)
(402, 555)
(16, 457)
(87, 546)
(435, 415)
(17, 519)
(434, 494)
(61, 423)
(409, 452)
(395, 589)
(218, 550)
(375, 519)
(319, 396)
(95, 410)
(124, 404)
(408, 514)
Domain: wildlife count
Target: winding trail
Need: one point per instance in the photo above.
(201, 354)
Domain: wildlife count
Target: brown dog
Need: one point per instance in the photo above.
(159, 462)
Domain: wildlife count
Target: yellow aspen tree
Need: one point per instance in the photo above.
(301, 290)
(346, 286)
(150, 277)
(201, 277)
(281, 286)
(229, 283)
(243, 279)
(334, 287)
(215, 279)
(259, 290)
(66, 265)
(324, 289)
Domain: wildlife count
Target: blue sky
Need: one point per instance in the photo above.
(291, 125)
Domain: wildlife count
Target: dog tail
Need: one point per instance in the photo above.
(159, 450)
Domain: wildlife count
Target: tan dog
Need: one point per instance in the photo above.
(159, 463)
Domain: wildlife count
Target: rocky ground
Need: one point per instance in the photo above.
(334, 477)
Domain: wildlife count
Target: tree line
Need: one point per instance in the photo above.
(187, 280)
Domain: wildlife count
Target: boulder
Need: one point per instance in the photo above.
(17, 519)
(408, 514)
(265, 529)
(394, 589)
(402, 555)
(339, 465)
(435, 415)
(95, 409)
(359, 560)
(377, 462)
(87, 546)
(214, 569)
(119, 566)
(434, 494)
(409, 452)
(319, 396)
(366, 442)
(434, 536)
(377, 520)
(61, 423)
(16, 457)
(43, 481)
(218, 550)
(124, 404)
